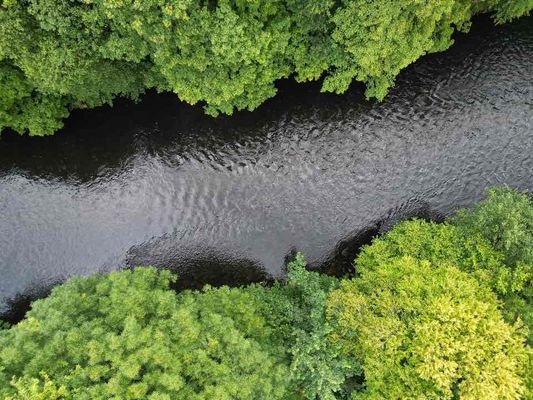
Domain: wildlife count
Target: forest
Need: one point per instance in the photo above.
(365, 234)
(431, 311)
(57, 55)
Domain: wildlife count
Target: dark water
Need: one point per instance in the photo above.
(226, 200)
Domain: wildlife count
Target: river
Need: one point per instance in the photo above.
(226, 200)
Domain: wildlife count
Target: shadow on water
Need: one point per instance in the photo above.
(341, 262)
(17, 307)
(194, 273)
(217, 269)
(97, 143)
(105, 139)
(196, 268)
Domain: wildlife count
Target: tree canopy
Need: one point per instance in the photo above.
(423, 332)
(493, 241)
(127, 335)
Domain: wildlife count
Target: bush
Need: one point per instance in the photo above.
(505, 220)
(126, 335)
(58, 55)
(422, 332)
(493, 241)
(318, 368)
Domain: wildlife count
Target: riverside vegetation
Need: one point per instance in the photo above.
(433, 311)
(58, 55)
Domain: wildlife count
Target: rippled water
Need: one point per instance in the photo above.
(226, 200)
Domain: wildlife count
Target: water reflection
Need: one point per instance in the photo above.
(161, 183)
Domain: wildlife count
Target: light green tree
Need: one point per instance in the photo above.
(127, 335)
(424, 332)
(59, 55)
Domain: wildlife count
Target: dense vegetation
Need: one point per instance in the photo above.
(434, 311)
(59, 55)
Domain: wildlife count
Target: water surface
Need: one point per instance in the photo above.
(226, 200)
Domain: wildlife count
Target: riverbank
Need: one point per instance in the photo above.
(426, 296)
(224, 55)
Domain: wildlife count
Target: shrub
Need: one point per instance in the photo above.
(318, 368)
(126, 335)
(422, 332)
(505, 220)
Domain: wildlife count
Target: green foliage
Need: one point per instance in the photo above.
(318, 369)
(228, 57)
(508, 10)
(126, 335)
(59, 55)
(438, 243)
(22, 108)
(422, 332)
(493, 241)
(382, 37)
(93, 338)
(37, 389)
(505, 220)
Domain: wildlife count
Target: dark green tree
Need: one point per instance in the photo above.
(505, 220)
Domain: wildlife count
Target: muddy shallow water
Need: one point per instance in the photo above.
(226, 200)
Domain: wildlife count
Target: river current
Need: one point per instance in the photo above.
(227, 200)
